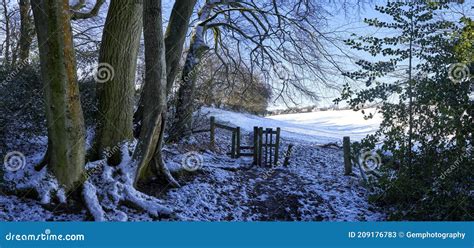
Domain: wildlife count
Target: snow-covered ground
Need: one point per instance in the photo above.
(313, 187)
(319, 127)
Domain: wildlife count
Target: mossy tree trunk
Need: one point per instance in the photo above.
(148, 152)
(66, 151)
(119, 49)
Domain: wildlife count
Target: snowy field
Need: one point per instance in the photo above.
(312, 188)
(319, 127)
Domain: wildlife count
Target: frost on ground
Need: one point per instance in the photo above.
(215, 187)
(311, 188)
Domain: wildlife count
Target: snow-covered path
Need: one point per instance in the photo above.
(312, 188)
(309, 190)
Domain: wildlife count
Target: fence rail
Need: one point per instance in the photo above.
(265, 147)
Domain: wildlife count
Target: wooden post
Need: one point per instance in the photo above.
(232, 148)
(267, 139)
(346, 141)
(213, 132)
(277, 145)
(237, 143)
(270, 153)
(255, 145)
(260, 145)
(288, 155)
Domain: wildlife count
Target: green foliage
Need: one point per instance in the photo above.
(415, 91)
(465, 47)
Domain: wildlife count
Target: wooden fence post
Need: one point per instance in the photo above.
(260, 145)
(213, 132)
(255, 145)
(237, 145)
(277, 146)
(232, 148)
(268, 142)
(287, 155)
(346, 141)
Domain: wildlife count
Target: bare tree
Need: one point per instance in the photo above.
(279, 39)
(6, 47)
(26, 30)
(225, 85)
(18, 30)
(94, 11)
(88, 25)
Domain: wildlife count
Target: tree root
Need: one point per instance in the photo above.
(116, 189)
(42, 186)
(43, 161)
(148, 156)
(163, 170)
(103, 192)
(89, 193)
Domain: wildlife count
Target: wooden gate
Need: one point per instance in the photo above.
(265, 147)
(268, 146)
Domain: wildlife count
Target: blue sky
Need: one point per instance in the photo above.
(341, 22)
(351, 21)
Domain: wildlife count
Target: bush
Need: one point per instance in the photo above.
(427, 117)
(21, 103)
(22, 113)
(436, 187)
(236, 88)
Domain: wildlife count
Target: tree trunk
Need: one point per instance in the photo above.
(26, 35)
(7, 34)
(175, 37)
(185, 101)
(148, 151)
(410, 92)
(63, 108)
(118, 52)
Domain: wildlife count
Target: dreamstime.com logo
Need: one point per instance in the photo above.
(14, 161)
(104, 72)
(370, 160)
(14, 72)
(47, 235)
(192, 161)
(455, 165)
(459, 72)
